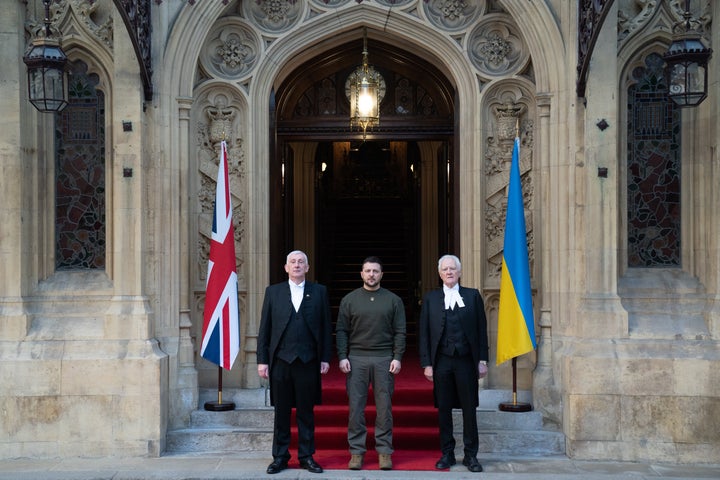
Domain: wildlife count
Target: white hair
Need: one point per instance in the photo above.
(454, 259)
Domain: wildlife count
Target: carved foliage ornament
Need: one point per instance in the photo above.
(87, 15)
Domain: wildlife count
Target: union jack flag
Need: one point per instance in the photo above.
(221, 316)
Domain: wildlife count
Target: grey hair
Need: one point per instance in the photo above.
(294, 252)
(454, 258)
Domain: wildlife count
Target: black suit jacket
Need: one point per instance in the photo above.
(432, 324)
(276, 312)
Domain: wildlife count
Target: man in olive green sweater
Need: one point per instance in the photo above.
(370, 336)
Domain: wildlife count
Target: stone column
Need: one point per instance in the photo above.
(185, 396)
(710, 133)
(601, 315)
(546, 396)
(16, 165)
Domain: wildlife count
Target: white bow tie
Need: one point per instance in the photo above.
(452, 298)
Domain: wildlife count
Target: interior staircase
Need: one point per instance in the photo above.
(364, 227)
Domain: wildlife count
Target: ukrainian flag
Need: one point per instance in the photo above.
(516, 325)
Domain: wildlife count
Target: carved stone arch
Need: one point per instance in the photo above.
(543, 38)
(635, 59)
(77, 21)
(653, 30)
(186, 40)
(96, 65)
(416, 92)
(403, 32)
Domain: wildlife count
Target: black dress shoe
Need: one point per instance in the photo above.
(472, 464)
(311, 465)
(277, 466)
(445, 462)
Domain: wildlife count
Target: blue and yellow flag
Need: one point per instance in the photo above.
(516, 324)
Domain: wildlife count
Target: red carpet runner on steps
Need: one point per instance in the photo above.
(415, 432)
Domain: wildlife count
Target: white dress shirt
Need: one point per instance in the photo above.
(296, 293)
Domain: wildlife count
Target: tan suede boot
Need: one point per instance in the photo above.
(385, 461)
(356, 462)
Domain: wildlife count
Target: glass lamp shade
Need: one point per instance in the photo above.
(47, 80)
(364, 105)
(687, 60)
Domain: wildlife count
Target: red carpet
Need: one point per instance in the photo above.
(415, 431)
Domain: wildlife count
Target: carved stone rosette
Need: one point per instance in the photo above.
(231, 50)
(496, 47)
(453, 15)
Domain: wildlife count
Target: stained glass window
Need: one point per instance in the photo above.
(80, 175)
(653, 170)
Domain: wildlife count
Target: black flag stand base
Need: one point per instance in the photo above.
(514, 406)
(219, 406)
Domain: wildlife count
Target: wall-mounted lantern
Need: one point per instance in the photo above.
(687, 61)
(47, 79)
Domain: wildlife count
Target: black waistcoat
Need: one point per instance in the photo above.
(453, 341)
(297, 341)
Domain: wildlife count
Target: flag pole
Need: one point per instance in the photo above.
(219, 406)
(221, 314)
(515, 314)
(514, 405)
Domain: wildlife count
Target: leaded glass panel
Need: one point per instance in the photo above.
(80, 175)
(653, 170)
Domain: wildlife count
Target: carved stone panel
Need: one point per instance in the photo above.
(510, 114)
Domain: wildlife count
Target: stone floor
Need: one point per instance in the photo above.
(248, 467)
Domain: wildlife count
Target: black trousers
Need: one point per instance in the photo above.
(294, 385)
(455, 380)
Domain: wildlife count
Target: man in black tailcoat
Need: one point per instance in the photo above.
(453, 347)
(293, 350)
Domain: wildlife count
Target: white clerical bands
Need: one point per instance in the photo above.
(453, 298)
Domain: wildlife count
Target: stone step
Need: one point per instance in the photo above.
(241, 397)
(248, 428)
(260, 418)
(247, 418)
(219, 440)
(225, 440)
